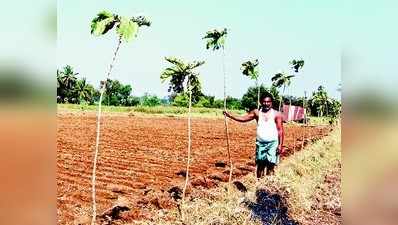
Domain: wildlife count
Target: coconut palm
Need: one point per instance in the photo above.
(66, 81)
(249, 68)
(126, 29)
(182, 77)
(59, 79)
(68, 77)
(281, 79)
(84, 91)
(320, 101)
(60, 88)
(215, 41)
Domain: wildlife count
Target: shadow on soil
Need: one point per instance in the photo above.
(270, 209)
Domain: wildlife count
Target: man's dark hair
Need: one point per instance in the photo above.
(266, 95)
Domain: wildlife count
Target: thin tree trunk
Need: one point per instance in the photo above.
(258, 94)
(258, 108)
(189, 148)
(98, 133)
(288, 114)
(280, 102)
(283, 92)
(305, 119)
(225, 118)
(327, 111)
(322, 111)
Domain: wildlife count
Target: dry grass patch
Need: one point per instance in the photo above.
(285, 198)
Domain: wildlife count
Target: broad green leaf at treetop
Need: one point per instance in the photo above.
(127, 29)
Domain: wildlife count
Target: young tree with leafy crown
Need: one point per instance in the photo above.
(177, 75)
(282, 79)
(297, 64)
(215, 41)
(249, 68)
(181, 76)
(126, 29)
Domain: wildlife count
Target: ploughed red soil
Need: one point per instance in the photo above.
(142, 155)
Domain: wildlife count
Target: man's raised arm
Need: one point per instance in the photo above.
(245, 118)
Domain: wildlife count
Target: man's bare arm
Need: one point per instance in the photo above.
(281, 134)
(245, 118)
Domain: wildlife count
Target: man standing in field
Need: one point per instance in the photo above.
(270, 135)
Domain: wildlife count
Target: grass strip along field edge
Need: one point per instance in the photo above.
(288, 197)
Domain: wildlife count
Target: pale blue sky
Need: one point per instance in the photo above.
(273, 32)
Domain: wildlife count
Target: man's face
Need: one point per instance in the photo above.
(267, 103)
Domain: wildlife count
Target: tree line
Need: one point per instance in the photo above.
(74, 90)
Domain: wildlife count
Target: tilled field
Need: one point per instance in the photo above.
(143, 155)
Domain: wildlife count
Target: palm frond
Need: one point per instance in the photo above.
(195, 64)
(102, 23)
(216, 39)
(175, 61)
(297, 64)
(249, 68)
(141, 21)
(279, 83)
(276, 77)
